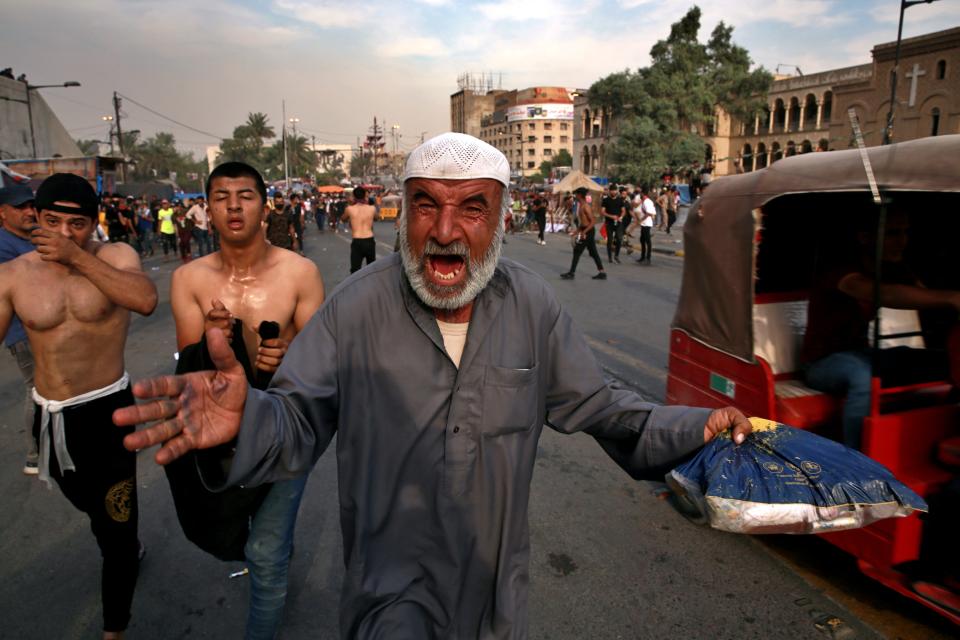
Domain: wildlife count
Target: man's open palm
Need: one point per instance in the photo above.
(195, 411)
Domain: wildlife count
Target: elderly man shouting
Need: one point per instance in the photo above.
(439, 367)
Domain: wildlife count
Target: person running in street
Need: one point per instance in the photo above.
(19, 218)
(280, 230)
(77, 327)
(363, 246)
(168, 230)
(585, 234)
(646, 213)
(249, 281)
(540, 215)
(197, 214)
(296, 213)
(612, 210)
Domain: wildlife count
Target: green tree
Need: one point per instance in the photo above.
(247, 143)
(563, 159)
(88, 147)
(158, 158)
(662, 109)
(361, 165)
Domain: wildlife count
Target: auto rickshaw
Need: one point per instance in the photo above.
(753, 243)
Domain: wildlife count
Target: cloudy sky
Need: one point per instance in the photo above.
(339, 63)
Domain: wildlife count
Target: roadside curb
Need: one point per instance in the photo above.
(669, 252)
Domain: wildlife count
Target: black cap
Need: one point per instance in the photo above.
(16, 194)
(67, 187)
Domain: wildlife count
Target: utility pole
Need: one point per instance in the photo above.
(286, 168)
(375, 143)
(123, 162)
(109, 119)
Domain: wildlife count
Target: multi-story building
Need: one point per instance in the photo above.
(807, 113)
(530, 126)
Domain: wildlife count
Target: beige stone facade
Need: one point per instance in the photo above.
(529, 125)
(808, 113)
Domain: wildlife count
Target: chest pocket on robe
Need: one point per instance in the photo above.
(510, 402)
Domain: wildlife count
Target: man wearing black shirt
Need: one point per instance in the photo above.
(612, 216)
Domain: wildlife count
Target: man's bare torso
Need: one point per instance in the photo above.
(76, 334)
(361, 220)
(268, 292)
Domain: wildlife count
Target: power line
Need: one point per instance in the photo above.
(177, 122)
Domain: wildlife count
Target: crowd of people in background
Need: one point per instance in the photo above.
(180, 227)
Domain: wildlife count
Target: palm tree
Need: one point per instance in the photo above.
(257, 125)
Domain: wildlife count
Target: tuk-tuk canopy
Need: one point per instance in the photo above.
(716, 298)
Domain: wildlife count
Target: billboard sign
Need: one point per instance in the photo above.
(544, 111)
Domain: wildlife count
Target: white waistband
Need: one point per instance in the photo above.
(55, 408)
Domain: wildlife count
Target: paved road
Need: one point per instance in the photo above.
(609, 559)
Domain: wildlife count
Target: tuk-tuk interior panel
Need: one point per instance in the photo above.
(801, 233)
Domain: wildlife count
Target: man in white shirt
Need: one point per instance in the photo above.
(201, 225)
(645, 212)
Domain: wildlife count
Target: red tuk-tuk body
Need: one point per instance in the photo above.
(752, 244)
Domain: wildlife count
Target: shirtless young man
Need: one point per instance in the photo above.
(74, 296)
(360, 215)
(252, 281)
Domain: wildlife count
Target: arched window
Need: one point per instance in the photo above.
(791, 149)
(747, 157)
(779, 116)
(761, 155)
(806, 146)
(935, 124)
(794, 114)
(585, 160)
(941, 69)
(809, 112)
(777, 152)
(586, 123)
(827, 107)
(823, 145)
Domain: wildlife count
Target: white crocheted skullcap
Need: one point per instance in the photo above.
(457, 156)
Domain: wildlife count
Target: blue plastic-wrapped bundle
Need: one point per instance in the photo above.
(787, 480)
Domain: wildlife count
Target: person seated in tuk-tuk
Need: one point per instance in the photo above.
(836, 354)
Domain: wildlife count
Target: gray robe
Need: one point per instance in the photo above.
(435, 463)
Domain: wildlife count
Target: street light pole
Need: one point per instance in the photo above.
(293, 121)
(888, 129)
(110, 133)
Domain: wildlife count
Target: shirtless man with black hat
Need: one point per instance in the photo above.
(74, 296)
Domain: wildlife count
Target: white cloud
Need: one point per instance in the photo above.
(411, 46)
(329, 14)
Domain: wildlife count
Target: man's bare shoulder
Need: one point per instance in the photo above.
(115, 253)
(290, 261)
(198, 271)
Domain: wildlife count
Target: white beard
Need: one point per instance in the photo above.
(449, 298)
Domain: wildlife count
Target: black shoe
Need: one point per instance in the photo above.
(600, 276)
(567, 276)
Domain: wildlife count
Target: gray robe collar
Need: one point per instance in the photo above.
(486, 307)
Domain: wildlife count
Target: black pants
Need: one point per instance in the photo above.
(169, 242)
(541, 223)
(589, 243)
(621, 230)
(321, 215)
(104, 486)
(671, 219)
(361, 248)
(613, 244)
(646, 245)
(298, 231)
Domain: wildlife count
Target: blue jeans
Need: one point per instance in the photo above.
(202, 236)
(268, 553)
(24, 357)
(845, 372)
